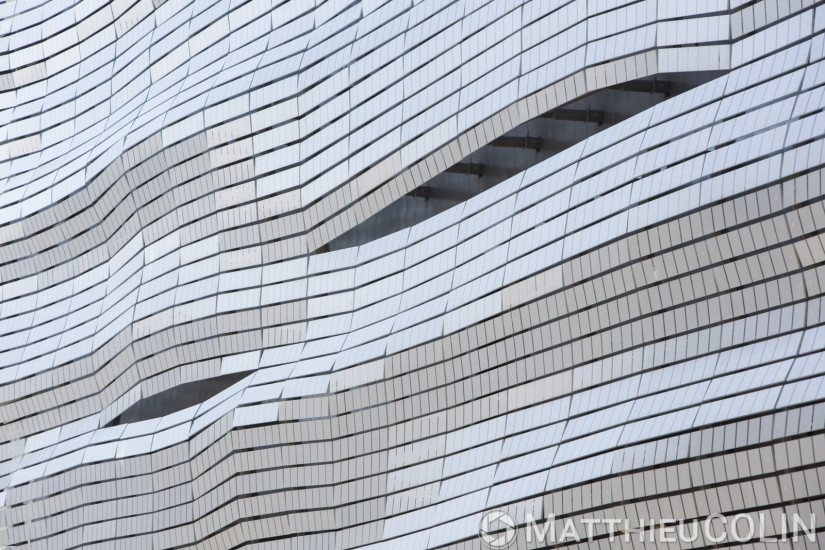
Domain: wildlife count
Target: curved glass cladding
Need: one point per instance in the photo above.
(629, 330)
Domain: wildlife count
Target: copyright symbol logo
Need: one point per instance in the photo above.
(497, 529)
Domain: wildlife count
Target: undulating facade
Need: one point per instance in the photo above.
(353, 274)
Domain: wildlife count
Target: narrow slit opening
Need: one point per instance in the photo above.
(521, 148)
(176, 399)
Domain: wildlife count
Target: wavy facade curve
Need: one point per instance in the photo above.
(633, 326)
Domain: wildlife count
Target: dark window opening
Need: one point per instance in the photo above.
(521, 148)
(176, 399)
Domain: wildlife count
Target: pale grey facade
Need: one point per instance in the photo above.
(350, 275)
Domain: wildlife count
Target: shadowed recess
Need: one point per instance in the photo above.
(176, 399)
(521, 148)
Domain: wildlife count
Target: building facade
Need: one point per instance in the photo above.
(356, 274)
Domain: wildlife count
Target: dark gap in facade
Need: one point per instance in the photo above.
(521, 148)
(176, 399)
